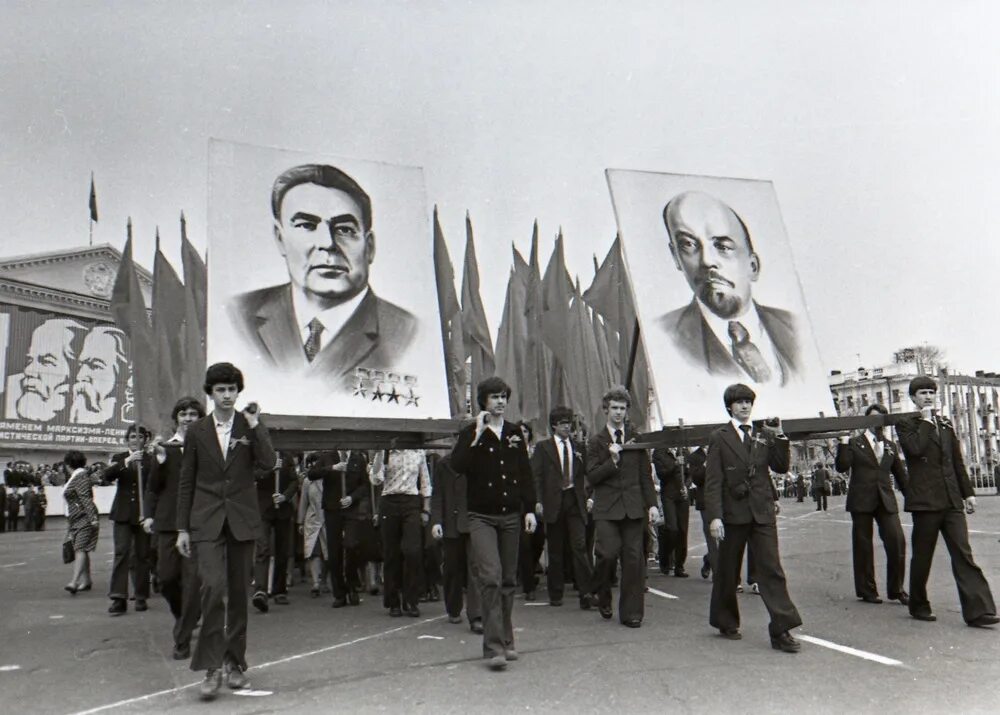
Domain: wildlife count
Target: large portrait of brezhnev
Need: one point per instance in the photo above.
(321, 283)
(717, 294)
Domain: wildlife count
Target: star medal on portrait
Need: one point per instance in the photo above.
(360, 376)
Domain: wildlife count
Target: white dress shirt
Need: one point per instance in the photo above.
(333, 319)
(223, 431)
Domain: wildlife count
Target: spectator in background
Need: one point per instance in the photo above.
(13, 508)
(82, 520)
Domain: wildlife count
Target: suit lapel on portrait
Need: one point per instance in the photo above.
(782, 336)
(279, 335)
(355, 341)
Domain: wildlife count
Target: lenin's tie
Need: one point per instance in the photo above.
(567, 477)
(312, 341)
(747, 444)
(746, 354)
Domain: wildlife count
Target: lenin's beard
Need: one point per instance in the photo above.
(38, 403)
(717, 293)
(89, 406)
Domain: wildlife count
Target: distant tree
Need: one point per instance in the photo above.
(927, 357)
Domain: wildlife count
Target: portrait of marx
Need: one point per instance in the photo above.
(326, 320)
(723, 330)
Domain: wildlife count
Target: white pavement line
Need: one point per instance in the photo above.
(336, 646)
(806, 515)
(849, 651)
(253, 693)
(535, 603)
(4, 668)
(428, 637)
(10, 566)
(662, 594)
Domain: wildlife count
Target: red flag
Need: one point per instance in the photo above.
(451, 322)
(129, 310)
(535, 397)
(511, 339)
(195, 317)
(478, 344)
(93, 199)
(584, 373)
(168, 332)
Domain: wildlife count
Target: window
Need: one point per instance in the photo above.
(850, 401)
(864, 400)
(878, 396)
(895, 396)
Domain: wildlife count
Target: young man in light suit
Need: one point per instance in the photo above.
(217, 510)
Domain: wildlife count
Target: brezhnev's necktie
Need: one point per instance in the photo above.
(312, 341)
(746, 354)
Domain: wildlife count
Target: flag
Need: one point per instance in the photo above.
(511, 339)
(610, 294)
(195, 317)
(535, 387)
(129, 310)
(93, 199)
(451, 322)
(478, 344)
(168, 332)
(585, 378)
(556, 290)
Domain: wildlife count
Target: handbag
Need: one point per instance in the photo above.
(68, 552)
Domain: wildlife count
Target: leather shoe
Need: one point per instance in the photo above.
(785, 642)
(632, 623)
(72, 589)
(259, 601)
(412, 611)
(182, 652)
(928, 616)
(235, 679)
(141, 605)
(498, 662)
(281, 599)
(118, 607)
(605, 612)
(353, 599)
(706, 570)
(454, 619)
(903, 598)
(209, 687)
(476, 626)
(510, 654)
(85, 588)
(732, 634)
(555, 601)
(395, 611)
(339, 602)
(871, 599)
(984, 621)
(586, 602)
(681, 573)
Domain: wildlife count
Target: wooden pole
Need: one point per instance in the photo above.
(633, 350)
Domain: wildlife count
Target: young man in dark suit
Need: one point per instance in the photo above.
(696, 470)
(741, 504)
(560, 487)
(217, 511)
(873, 462)
(492, 454)
(131, 540)
(624, 499)
(938, 490)
(671, 472)
(821, 486)
(276, 492)
(179, 583)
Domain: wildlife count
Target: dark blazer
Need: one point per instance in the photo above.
(547, 470)
(449, 506)
(696, 473)
(937, 477)
(693, 338)
(622, 491)
(871, 479)
(820, 478)
(377, 335)
(355, 479)
(288, 484)
(670, 474)
(738, 486)
(214, 491)
(125, 507)
(497, 471)
(161, 490)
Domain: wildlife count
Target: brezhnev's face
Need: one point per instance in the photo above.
(45, 384)
(326, 247)
(709, 245)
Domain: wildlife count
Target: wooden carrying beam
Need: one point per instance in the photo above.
(796, 429)
(304, 433)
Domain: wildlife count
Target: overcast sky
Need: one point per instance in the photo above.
(878, 123)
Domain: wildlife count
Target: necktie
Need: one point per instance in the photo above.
(566, 475)
(312, 341)
(618, 436)
(879, 447)
(745, 429)
(746, 354)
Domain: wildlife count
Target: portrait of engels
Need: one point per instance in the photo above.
(723, 330)
(326, 320)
